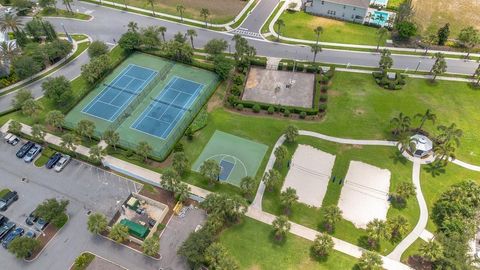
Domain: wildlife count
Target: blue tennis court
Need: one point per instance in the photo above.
(168, 108)
(226, 168)
(116, 96)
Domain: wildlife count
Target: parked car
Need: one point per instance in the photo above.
(62, 163)
(24, 149)
(53, 160)
(33, 153)
(40, 224)
(31, 219)
(3, 220)
(30, 234)
(7, 200)
(7, 136)
(6, 228)
(14, 140)
(12, 235)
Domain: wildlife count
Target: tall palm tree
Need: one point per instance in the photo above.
(370, 261)
(279, 23)
(8, 51)
(132, 26)
(396, 227)
(450, 134)
(162, 30)
(10, 22)
(376, 229)
(191, 33)
(318, 31)
(428, 115)
(288, 197)
(400, 123)
(431, 250)
(152, 2)
(316, 48)
(443, 152)
(331, 215)
(205, 13)
(281, 227)
(404, 141)
(180, 9)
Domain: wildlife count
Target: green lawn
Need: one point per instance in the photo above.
(394, 4)
(63, 13)
(412, 250)
(301, 25)
(251, 243)
(382, 157)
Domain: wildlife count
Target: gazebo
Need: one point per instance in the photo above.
(420, 146)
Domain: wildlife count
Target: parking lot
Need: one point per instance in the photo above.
(88, 189)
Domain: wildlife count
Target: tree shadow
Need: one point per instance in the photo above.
(434, 169)
(363, 242)
(398, 203)
(318, 258)
(397, 157)
(275, 241)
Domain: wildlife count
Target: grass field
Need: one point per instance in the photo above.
(253, 246)
(382, 157)
(64, 14)
(221, 11)
(394, 4)
(412, 250)
(459, 13)
(301, 25)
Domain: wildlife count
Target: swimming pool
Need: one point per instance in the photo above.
(380, 17)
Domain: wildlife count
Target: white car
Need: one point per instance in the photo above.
(62, 163)
(13, 140)
(8, 136)
(33, 153)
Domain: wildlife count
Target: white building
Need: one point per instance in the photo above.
(420, 146)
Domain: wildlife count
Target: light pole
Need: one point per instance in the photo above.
(418, 65)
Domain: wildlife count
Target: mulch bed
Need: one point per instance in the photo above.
(277, 115)
(417, 262)
(50, 232)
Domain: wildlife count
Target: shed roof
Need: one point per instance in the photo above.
(135, 228)
(422, 142)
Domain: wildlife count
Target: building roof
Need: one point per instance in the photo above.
(355, 3)
(422, 142)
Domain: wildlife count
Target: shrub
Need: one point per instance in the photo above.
(303, 115)
(240, 107)
(232, 100)
(238, 79)
(330, 72)
(322, 107)
(256, 108)
(323, 97)
(60, 220)
(271, 110)
(178, 147)
(235, 90)
(286, 113)
(324, 79)
(324, 88)
(300, 68)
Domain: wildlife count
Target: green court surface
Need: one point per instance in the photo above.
(146, 98)
(238, 157)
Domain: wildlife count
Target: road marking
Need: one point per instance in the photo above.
(247, 33)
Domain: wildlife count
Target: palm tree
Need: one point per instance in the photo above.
(279, 23)
(449, 134)
(428, 115)
(143, 149)
(281, 227)
(287, 198)
(331, 215)
(162, 30)
(10, 22)
(8, 51)
(439, 67)
(291, 133)
(97, 223)
(376, 229)
(370, 261)
(381, 32)
(111, 138)
(152, 2)
(404, 140)
(119, 233)
(396, 227)
(14, 127)
(271, 178)
(132, 26)
(443, 152)
(55, 119)
(401, 123)
(205, 13)
(322, 245)
(38, 132)
(69, 142)
(151, 246)
(318, 31)
(96, 153)
(180, 9)
(86, 128)
(431, 250)
(316, 48)
(191, 33)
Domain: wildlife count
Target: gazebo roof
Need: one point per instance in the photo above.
(422, 142)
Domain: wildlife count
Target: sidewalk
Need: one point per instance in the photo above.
(174, 17)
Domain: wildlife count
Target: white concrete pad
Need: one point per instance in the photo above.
(309, 174)
(364, 195)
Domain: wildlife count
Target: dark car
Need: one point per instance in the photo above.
(31, 219)
(7, 200)
(12, 235)
(6, 228)
(53, 160)
(24, 149)
(3, 220)
(40, 224)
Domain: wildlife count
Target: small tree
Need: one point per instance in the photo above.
(38, 132)
(58, 89)
(112, 138)
(376, 230)
(443, 34)
(85, 128)
(222, 66)
(82, 261)
(211, 170)
(191, 33)
(281, 226)
(271, 179)
(97, 223)
(287, 198)
(247, 185)
(315, 48)
(96, 153)
(215, 47)
(476, 76)
(169, 179)
(162, 30)
(119, 233)
(151, 246)
(400, 123)
(291, 134)
(14, 127)
(152, 5)
(52, 210)
(181, 191)
(144, 150)
(279, 23)
(406, 29)
(386, 61)
(21, 96)
(370, 261)
(55, 119)
(69, 141)
(281, 154)
(22, 247)
(331, 215)
(31, 108)
(322, 245)
(97, 48)
(403, 192)
(318, 30)
(205, 13)
(469, 38)
(381, 33)
(396, 227)
(180, 163)
(180, 9)
(431, 250)
(218, 258)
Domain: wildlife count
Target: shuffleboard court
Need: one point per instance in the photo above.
(116, 96)
(167, 109)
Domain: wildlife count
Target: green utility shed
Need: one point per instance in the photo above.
(135, 229)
